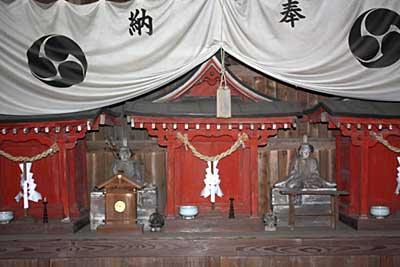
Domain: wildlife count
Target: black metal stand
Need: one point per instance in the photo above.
(231, 209)
(45, 216)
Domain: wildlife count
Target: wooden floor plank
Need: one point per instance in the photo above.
(198, 246)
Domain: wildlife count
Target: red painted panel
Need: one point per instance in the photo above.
(233, 172)
(382, 169)
(204, 89)
(46, 174)
(348, 174)
(355, 178)
(383, 174)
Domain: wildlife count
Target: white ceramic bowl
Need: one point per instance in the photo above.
(6, 216)
(379, 212)
(188, 211)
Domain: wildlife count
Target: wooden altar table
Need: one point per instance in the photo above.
(333, 214)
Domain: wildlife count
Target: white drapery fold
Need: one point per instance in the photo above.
(312, 53)
(315, 53)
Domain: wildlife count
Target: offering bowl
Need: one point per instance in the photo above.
(188, 212)
(6, 216)
(379, 212)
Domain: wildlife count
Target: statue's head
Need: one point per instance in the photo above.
(124, 153)
(305, 150)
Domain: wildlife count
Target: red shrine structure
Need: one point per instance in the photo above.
(365, 168)
(190, 110)
(60, 175)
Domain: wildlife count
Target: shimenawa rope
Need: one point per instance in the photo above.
(53, 149)
(384, 142)
(239, 142)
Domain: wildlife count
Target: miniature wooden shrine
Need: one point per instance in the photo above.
(365, 167)
(55, 145)
(199, 145)
(120, 202)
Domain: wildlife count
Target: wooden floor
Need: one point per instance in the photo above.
(301, 247)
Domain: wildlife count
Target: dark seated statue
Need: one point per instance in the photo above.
(130, 168)
(304, 172)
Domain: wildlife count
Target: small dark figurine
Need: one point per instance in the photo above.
(45, 216)
(156, 221)
(231, 209)
(270, 221)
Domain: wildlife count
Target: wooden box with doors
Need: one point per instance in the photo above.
(120, 204)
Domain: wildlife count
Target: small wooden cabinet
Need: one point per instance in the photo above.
(120, 203)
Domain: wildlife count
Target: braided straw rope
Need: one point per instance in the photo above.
(53, 149)
(240, 142)
(384, 142)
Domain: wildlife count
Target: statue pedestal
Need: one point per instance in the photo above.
(304, 204)
(312, 211)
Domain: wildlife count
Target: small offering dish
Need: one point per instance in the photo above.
(188, 212)
(379, 212)
(6, 216)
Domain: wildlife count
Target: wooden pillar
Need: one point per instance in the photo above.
(355, 180)
(364, 176)
(338, 175)
(291, 215)
(72, 180)
(83, 181)
(170, 209)
(253, 176)
(64, 192)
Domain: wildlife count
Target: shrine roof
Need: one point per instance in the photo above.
(358, 108)
(88, 114)
(205, 106)
(119, 181)
(195, 96)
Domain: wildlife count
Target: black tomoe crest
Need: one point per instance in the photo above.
(374, 38)
(57, 61)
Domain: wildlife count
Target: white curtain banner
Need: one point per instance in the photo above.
(349, 48)
(63, 57)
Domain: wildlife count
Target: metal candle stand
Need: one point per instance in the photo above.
(45, 215)
(231, 209)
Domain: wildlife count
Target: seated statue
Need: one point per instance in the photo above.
(130, 167)
(304, 172)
